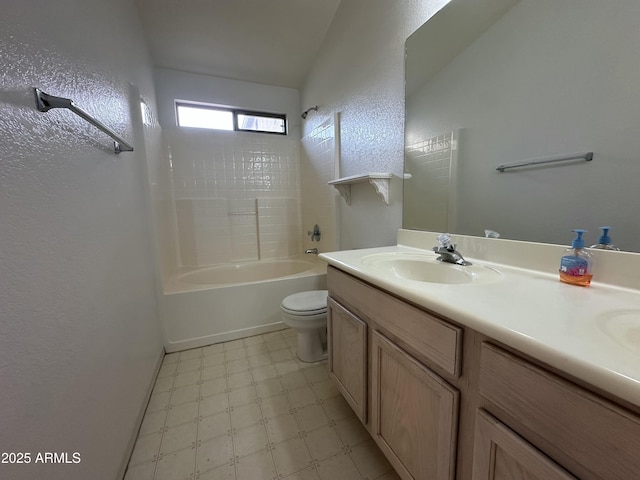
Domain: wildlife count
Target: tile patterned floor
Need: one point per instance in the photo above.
(249, 410)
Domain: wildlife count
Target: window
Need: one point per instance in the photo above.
(221, 118)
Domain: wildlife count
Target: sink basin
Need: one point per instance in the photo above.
(425, 268)
(623, 327)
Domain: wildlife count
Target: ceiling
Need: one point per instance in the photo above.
(273, 42)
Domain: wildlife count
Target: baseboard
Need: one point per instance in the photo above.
(198, 342)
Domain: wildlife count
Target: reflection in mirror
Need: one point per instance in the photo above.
(492, 82)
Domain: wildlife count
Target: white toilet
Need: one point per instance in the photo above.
(306, 312)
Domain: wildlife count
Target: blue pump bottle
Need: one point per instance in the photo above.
(576, 264)
(604, 242)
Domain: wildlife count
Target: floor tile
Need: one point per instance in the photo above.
(176, 466)
(258, 466)
(242, 396)
(256, 339)
(179, 438)
(153, 422)
(301, 397)
(214, 453)
(238, 354)
(183, 413)
(213, 386)
(338, 467)
(291, 456)
(225, 472)
(233, 345)
(213, 359)
(239, 379)
(325, 388)
(249, 410)
(323, 443)
(159, 401)
(306, 474)
(249, 440)
(245, 415)
(368, 460)
(214, 426)
(270, 387)
(351, 431)
(311, 417)
(275, 405)
(190, 393)
(282, 428)
(187, 378)
(189, 365)
(213, 371)
(214, 404)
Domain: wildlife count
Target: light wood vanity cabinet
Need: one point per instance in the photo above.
(347, 337)
(414, 413)
(500, 454)
(398, 393)
(495, 416)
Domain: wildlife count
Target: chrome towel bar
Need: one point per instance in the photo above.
(538, 161)
(45, 102)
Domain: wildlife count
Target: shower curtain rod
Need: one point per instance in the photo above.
(45, 102)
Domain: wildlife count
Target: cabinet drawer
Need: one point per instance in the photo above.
(432, 340)
(589, 435)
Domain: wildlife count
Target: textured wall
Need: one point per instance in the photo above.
(359, 72)
(79, 336)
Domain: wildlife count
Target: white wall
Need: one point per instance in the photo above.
(79, 334)
(359, 72)
(173, 84)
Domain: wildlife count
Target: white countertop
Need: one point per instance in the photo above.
(592, 333)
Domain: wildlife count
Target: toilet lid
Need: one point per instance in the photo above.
(306, 303)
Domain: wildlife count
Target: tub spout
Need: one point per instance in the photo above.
(311, 250)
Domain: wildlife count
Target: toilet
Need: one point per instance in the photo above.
(306, 312)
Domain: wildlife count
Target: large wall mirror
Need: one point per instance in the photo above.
(493, 82)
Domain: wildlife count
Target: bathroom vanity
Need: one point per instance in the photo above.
(510, 377)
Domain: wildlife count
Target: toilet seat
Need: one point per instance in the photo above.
(306, 303)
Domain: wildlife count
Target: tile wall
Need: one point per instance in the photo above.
(430, 162)
(319, 164)
(237, 195)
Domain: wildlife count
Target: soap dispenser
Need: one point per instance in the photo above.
(576, 263)
(604, 242)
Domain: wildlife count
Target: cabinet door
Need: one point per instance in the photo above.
(347, 338)
(414, 414)
(500, 454)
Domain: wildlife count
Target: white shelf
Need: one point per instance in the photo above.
(380, 182)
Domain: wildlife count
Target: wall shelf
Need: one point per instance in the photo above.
(380, 182)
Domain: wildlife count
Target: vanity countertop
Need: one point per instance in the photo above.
(591, 333)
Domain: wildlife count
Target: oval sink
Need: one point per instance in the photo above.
(425, 268)
(623, 327)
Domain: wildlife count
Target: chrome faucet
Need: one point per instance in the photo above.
(311, 250)
(448, 252)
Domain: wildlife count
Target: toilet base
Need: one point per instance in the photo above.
(312, 345)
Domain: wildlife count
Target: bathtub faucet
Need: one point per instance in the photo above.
(311, 250)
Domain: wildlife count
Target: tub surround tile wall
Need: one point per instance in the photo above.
(319, 165)
(237, 195)
(248, 409)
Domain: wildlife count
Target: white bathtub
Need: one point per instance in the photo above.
(225, 302)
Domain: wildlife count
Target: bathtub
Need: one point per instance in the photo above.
(215, 304)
